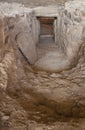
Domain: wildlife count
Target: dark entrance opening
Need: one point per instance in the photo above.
(46, 29)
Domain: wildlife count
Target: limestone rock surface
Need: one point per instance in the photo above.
(18, 27)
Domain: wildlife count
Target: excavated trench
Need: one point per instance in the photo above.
(42, 67)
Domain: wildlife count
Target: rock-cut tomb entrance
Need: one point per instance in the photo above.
(46, 36)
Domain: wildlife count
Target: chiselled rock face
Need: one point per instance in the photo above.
(35, 43)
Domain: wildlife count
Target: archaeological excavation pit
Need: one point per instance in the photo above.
(42, 64)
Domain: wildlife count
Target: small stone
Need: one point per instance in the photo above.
(53, 75)
(5, 118)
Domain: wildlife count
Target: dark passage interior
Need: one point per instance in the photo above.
(46, 29)
(46, 26)
(46, 36)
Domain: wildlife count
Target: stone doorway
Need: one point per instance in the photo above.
(47, 34)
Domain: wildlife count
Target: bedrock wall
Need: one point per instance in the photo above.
(71, 29)
(18, 26)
